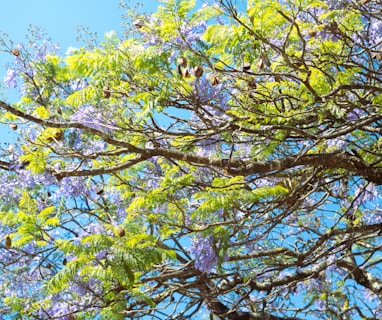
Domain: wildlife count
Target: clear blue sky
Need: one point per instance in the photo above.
(59, 18)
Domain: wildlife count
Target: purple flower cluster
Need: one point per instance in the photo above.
(70, 187)
(193, 32)
(205, 256)
(92, 118)
(27, 63)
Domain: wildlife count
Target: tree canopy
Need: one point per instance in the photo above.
(218, 160)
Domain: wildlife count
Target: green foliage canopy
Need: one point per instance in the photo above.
(220, 159)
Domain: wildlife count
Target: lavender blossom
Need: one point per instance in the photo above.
(10, 78)
(205, 256)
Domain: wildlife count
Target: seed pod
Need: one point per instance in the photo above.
(252, 84)
(377, 54)
(298, 63)
(214, 79)
(8, 242)
(106, 92)
(13, 126)
(11, 148)
(312, 32)
(57, 136)
(49, 266)
(138, 23)
(260, 64)
(198, 71)
(185, 73)
(333, 26)
(182, 62)
(64, 262)
(121, 231)
(16, 52)
(99, 191)
(71, 317)
(246, 66)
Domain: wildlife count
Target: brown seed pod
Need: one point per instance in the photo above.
(64, 262)
(13, 126)
(246, 66)
(198, 71)
(106, 92)
(377, 55)
(312, 32)
(260, 64)
(185, 73)
(121, 231)
(252, 84)
(71, 317)
(8, 242)
(138, 23)
(16, 52)
(99, 191)
(182, 62)
(58, 136)
(214, 79)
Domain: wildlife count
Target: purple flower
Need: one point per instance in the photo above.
(205, 256)
(375, 31)
(193, 33)
(337, 143)
(10, 78)
(92, 118)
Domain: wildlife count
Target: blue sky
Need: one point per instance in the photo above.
(59, 18)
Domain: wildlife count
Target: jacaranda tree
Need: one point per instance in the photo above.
(219, 160)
